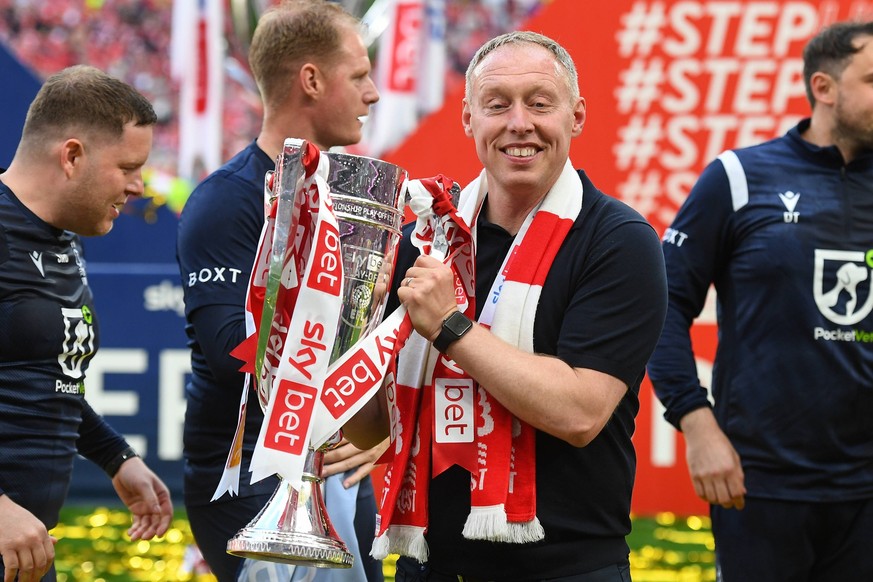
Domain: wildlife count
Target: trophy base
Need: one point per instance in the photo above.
(299, 549)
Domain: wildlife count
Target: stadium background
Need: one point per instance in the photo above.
(668, 83)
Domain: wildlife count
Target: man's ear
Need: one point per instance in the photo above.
(578, 117)
(311, 80)
(71, 154)
(823, 87)
(465, 119)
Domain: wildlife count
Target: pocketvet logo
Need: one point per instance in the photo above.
(70, 387)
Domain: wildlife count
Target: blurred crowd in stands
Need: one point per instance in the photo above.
(130, 39)
(470, 23)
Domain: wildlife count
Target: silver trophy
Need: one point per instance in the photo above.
(367, 195)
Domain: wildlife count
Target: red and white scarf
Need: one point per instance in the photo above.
(441, 417)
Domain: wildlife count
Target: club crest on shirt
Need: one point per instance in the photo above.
(78, 343)
(842, 285)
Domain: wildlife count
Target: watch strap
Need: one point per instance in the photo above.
(114, 465)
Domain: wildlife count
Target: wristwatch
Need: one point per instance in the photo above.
(115, 464)
(454, 327)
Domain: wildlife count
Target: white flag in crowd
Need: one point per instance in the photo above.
(196, 63)
(410, 72)
(432, 70)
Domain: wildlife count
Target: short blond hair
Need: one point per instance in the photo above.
(291, 34)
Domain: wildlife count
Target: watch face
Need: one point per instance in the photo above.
(454, 327)
(458, 323)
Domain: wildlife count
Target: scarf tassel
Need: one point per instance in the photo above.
(379, 550)
(486, 522)
(405, 540)
(524, 532)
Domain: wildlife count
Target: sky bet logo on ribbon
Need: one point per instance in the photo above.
(348, 383)
(327, 270)
(290, 418)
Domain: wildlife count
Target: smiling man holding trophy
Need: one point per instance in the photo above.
(512, 407)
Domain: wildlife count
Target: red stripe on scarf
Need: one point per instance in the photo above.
(546, 234)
